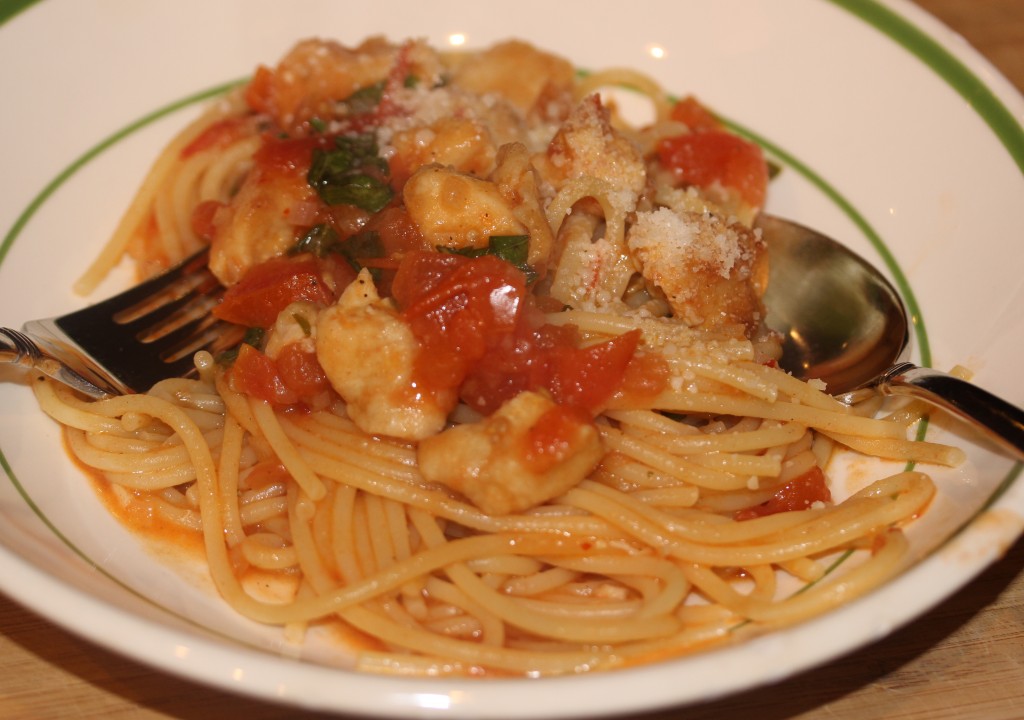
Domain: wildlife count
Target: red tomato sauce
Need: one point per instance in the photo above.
(480, 333)
(798, 494)
(710, 154)
(549, 440)
(270, 287)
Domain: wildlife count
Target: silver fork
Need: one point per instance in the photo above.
(127, 343)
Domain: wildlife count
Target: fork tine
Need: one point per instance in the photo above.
(203, 333)
(168, 318)
(174, 295)
(144, 335)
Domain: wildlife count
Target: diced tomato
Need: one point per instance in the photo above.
(798, 494)
(548, 358)
(398, 233)
(717, 156)
(259, 91)
(457, 308)
(478, 333)
(202, 219)
(646, 375)
(695, 116)
(291, 156)
(516, 362)
(549, 440)
(586, 377)
(255, 374)
(300, 371)
(336, 271)
(294, 377)
(270, 287)
(420, 273)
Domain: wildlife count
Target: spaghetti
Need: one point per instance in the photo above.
(511, 407)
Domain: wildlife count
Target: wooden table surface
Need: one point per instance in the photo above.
(963, 660)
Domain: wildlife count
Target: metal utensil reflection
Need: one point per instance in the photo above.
(842, 322)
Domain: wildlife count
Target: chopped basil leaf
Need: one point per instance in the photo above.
(303, 323)
(360, 246)
(363, 245)
(348, 175)
(363, 191)
(366, 99)
(317, 124)
(322, 240)
(253, 336)
(318, 241)
(362, 147)
(513, 249)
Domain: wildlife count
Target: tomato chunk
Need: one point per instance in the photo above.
(300, 371)
(203, 219)
(270, 287)
(294, 377)
(798, 494)
(586, 377)
(480, 335)
(259, 93)
(549, 440)
(255, 374)
(695, 116)
(710, 154)
(717, 156)
(458, 308)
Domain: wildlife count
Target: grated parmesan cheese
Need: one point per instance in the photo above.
(694, 239)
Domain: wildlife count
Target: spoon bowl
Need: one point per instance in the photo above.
(840, 319)
(843, 323)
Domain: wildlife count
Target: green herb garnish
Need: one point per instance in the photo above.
(513, 249)
(317, 241)
(351, 174)
(365, 99)
(303, 323)
(321, 240)
(253, 336)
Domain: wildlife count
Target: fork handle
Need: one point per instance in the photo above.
(20, 349)
(995, 417)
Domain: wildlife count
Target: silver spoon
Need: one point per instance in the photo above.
(843, 323)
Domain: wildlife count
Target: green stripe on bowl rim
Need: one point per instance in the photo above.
(985, 103)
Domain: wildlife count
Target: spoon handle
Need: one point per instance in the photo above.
(1001, 421)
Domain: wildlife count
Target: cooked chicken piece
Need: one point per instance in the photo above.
(448, 126)
(457, 142)
(368, 352)
(712, 272)
(537, 83)
(256, 225)
(517, 182)
(317, 74)
(527, 452)
(296, 324)
(586, 145)
(456, 210)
